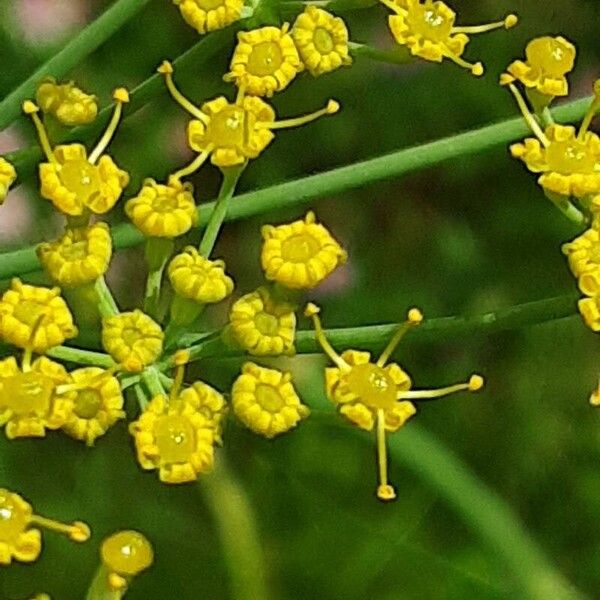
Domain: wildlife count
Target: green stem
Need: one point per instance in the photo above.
(99, 589)
(219, 210)
(158, 252)
(238, 533)
(397, 56)
(375, 337)
(301, 191)
(79, 356)
(152, 381)
(567, 208)
(107, 307)
(141, 396)
(76, 50)
(487, 514)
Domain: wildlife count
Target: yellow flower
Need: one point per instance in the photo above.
(232, 132)
(75, 182)
(177, 437)
(70, 105)
(300, 255)
(98, 404)
(427, 29)
(210, 15)
(19, 537)
(31, 398)
(583, 254)
(265, 61)
(266, 402)
(133, 339)
(199, 279)
(322, 40)
(7, 177)
(569, 160)
(376, 394)
(548, 60)
(79, 256)
(125, 554)
(34, 318)
(163, 210)
(263, 325)
(590, 311)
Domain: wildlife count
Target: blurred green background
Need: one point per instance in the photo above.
(472, 235)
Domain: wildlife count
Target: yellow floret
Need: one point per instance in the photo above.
(7, 178)
(133, 339)
(265, 61)
(34, 318)
(79, 256)
(125, 554)
(69, 104)
(300, 255)
(583, 254)
(210, 15)
(266, 402)
(322, 40)
(263, 325)
(162, 210)
(199, 279)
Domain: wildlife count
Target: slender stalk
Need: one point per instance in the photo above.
(301, 191)
(238, 533)
(397, 56)
(489, 517)
(152, 381)
(76, 50)
(158, 252)
(219, 210)
(99, 589)
(81, 357)
(106, 303)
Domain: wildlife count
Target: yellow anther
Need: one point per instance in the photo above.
(510, 21)
(477, 69)
(181, 357)
(415, 316)
(333, 106)
(121, 95)
(30, 107)
(165, 68)
(311, 309)
(116, 583)
(595, 397)
(476, 382)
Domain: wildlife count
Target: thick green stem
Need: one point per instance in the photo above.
(301, 191)
(99, 589)
(152, 381)
(107, 307)
(238, 533)
(219, 210)
(81, 357)
(76, 50)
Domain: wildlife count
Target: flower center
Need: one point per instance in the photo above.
(28, 393)
(570, 157)
(87, 403)
(13, 519)
(552, 57)
(372, 385)
(228, 127)
(264, 59)
(81, 178)
(29, 312)
(127, 553)
(323, 40)
(74, 251)
(131, 335)
(209, 5)
(267, 324)
(164, 203)
(175, 438)
(299, 248)
(429, 21)
(269, 398)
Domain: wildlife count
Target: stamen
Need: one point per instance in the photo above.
(474, 384)
(120, 96)
(240, 95)
(591, 111)
(393, 7)
(414, 317)
(27, 354)
(312, 311)
(77, 531)
(384, 490)
(528, 116)
(331, 108)
(180, 359)
(166, 69)
(31, 109)
(509, 22)
(475, 68)
(194, 165)
(26, 361)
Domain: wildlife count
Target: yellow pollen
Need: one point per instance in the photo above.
(13, 520)
(265, 59)
(175, 438)
(127, 553)
(87, 403)
(429, 23)
(28, 393)
(299, 248)
(269, 398)
(323, 40)
(372, 385)
(570, 157)
(81, 178)
(226, 128)
(267, 324)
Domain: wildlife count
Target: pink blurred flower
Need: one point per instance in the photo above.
(45, 21)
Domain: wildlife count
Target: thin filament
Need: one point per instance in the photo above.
(43, 137)
(327, 347)
(107, 135)
(432, 394)
(529, 118)
(331, 108)
(183, 101)
(193, 166)
(384, 490)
